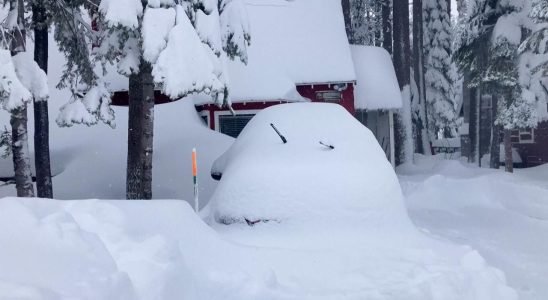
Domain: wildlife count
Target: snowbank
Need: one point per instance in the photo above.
(503, 216)
(98, 249)
(45, 253)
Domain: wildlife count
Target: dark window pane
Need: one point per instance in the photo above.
(526, 137)
(233, 125)
(329, 96)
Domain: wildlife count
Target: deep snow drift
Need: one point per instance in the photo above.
(504, 217)
(90, 162)
(98, 249)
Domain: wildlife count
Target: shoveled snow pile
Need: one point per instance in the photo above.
(99, 249)
(503, 216)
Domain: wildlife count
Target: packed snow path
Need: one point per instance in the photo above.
(504, 217)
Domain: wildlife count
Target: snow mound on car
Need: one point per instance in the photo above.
(265, 179)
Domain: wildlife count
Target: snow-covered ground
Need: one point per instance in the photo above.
(108, 249)
(504, 217)
(113, 249)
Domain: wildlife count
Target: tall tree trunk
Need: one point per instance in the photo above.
(378, 24)
(386, 12)
(44, 186)
(20, 152)
(494, 162)
(18, 119)
(140, 134)
(347, 19)
(461, 7)
(148, 128)
(508, 159)
(418, 66)
(402, 64)
(134, 170)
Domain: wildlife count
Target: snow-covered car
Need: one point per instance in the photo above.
(304, 160)
(310, 179)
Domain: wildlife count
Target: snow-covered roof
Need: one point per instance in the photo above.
(377, 85)
(292, 42)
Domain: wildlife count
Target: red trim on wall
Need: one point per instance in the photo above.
(307, 91)
(347, 101)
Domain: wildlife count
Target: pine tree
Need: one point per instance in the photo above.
(82, 74)
(179, 46)
(440, 104)
(497, 27)
(366, 22)
(534, 52)
(21, 80)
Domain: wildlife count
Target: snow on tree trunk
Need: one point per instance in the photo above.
(44, 186)
(20, 152)
(402, 64)
(406, 126)
(18, 120)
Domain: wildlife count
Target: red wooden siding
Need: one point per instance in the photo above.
(347, 99)
(212, 108)
(307, 91)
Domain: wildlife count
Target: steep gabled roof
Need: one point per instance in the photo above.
(292, 42)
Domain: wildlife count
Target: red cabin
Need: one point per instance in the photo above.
(299, 52)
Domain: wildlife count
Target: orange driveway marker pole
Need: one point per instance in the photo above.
(195, 179)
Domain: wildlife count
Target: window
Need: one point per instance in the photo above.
(523, 136)
(233, 125)
(329, 96)
(486, 101)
